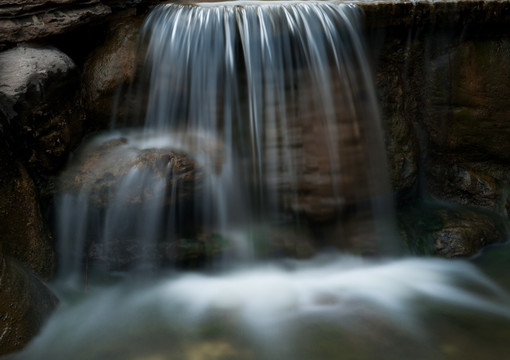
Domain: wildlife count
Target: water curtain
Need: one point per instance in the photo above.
(258, 114)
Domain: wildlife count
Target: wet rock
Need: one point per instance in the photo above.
(24, 234)
(479, 185)
(25, 303)
(112, 68)
(101, 169)
(399, 105)
(469, 94)
(28, 20)
(40, 105)
(124, 254)
(467, 125)
(464, 233)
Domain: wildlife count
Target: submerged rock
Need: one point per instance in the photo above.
(25, 303)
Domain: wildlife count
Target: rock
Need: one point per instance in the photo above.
(474, 184)
(464, 233)
(28, 20)
(101, 169)
(398, 108)
(325, 161)
(25, 303)
(40, 105)
(467, 125)
(469, 94)
(450, 231)
(111, 68)
(24, 234)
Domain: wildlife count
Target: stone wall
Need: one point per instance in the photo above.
(443, 82)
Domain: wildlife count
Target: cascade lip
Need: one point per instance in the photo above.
(210, 3)
(383, 13)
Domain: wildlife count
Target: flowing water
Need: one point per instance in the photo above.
(261, 138)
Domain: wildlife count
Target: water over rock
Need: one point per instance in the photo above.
(100, 173)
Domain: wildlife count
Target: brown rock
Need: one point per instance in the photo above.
(25, 303)
(23, 232)
(469, 98)
(111, 68)
(467, 126)
(464, 233)
(27, 20)
(102, 169)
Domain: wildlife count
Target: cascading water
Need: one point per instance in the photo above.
(259, 115)
(272, 105)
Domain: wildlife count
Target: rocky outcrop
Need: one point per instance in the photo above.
(464, 233)
(468, 125)
(110, 69)
(25, 303)
(443, 92)
(28, 20)
(40, 105)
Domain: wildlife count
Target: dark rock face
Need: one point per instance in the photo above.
(443, 89)
(399, 98)
(464, 233)
(111, 68)
(25, 303)
(24, 234)
(101, 171)
(40, 105)
(28, 20)
(468, 125)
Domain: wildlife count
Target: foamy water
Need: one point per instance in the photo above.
(268, 306)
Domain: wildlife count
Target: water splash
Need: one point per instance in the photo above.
(358, 308)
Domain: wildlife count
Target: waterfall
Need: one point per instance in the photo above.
(260, 117)
(272, 106)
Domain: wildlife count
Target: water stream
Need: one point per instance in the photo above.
(261, 124)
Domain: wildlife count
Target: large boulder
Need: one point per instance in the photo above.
(25, 303)
(28, 20)
(40, 105)
(101, 170)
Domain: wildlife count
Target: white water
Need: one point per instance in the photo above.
(357, 308)
(282, 65)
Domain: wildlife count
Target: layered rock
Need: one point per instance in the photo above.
(28, 20)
